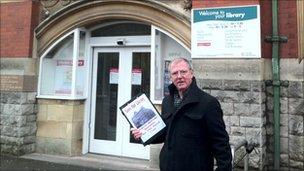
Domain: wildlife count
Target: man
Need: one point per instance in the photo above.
(195, 131)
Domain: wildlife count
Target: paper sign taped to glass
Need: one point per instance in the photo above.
(141, 114)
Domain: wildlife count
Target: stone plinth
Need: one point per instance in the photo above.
(60, 127)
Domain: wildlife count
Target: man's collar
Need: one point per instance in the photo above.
(192, 94)
(172, 88)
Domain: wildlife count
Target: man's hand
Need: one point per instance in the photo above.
(136, 133)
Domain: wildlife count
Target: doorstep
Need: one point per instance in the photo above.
(95, 161)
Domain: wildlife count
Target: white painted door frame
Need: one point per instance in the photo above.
(122, 146)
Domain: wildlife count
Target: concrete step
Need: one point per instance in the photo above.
(100, 162)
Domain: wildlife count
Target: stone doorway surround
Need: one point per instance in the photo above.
(87, 14)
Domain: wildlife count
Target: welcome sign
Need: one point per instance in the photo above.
(228, 32)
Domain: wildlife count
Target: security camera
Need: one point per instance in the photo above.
(120, 42)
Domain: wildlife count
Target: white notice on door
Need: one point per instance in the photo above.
(136, 76)
(113, 75)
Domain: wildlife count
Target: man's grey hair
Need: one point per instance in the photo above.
(177, 60)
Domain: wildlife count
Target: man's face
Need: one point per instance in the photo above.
(181, 75)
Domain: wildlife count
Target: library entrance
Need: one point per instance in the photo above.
(106, 52)
(119, 73)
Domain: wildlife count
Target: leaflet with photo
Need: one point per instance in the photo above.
(141, 114)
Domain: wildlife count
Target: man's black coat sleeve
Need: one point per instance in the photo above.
(219, 137)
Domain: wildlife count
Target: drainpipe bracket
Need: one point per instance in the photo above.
(279, 39)
(277, 83)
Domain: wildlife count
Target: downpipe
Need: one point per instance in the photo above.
(276, 85)
(275, 39)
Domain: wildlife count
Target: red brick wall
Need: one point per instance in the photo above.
(219, 3)
(266, 28)
(287, 22)
(288, 27)
(287, 15)
(18, 21)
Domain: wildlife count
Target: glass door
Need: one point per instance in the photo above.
(118, 75)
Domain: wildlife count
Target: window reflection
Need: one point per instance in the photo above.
(56, 75)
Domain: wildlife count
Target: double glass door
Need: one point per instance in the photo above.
(118, 75)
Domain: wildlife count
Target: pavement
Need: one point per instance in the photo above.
(88, 162)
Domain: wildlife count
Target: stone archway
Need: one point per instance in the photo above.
(82, 13)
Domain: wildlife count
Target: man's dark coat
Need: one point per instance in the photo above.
(195, 133)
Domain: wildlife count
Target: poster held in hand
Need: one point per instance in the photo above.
(141, 114)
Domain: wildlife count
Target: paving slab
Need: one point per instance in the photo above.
(88, 162)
